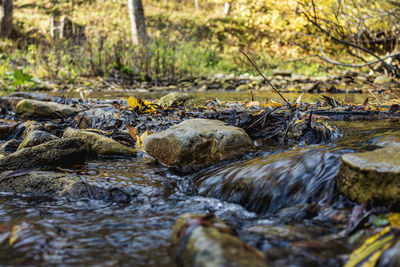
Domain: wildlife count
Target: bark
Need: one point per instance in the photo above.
(6, 10)
(138, 26)
(196, 4)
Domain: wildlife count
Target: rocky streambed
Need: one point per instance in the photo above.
(217, 184)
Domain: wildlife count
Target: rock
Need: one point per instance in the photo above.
(286, 232)
(49, 184)
(59, 152)
(99, 144)
(197, 142)
(388, 140)
(10, 145)
(283, 73)
(247, 86)
(7, 127)
(382, 79)
(9, 102)
(33, 95)
(36, 137)
(371, 175)
(28, 108)
(204, 240)
(173, 99)
(99, 118)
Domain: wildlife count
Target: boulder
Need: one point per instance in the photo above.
(197, 142)
(173, 99)
(204, 240)
(99, 144)
(36, 137)
(50, 184)
(59, 152)
(29, 108)
(371, 175)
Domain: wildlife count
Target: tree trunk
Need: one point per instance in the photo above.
(196, 5)
(6, 25)
(136, 13)
(227, 8)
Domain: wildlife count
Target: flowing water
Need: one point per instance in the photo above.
(283, 186)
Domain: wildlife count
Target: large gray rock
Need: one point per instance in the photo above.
(36, 137)
(371, 175)
(197, 142)
(204, 240)
(29, 108)
(60, 152)
(99, 118)
(99, 144)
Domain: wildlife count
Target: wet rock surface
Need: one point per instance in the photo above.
(36, 137)
(28, 108)
(49, 184)
(100, 145)
(202, 240)
(60, 152)
(173, 99)
(371, 175)
(197, 142)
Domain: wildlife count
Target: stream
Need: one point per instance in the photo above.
(294, 195)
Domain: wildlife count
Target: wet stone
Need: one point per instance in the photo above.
(98, 144)
(204, 240)
(10, 145)
(9, 102)
(100, 118)
(32, 95)
(198, 142)
(37, 137)
(59, 152)
(371, 175)
(49, 184)
(28, 108)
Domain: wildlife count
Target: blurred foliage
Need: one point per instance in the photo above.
(188, 42)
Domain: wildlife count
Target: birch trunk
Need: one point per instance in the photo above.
(6, 10)
(227, 8)
(138, 26)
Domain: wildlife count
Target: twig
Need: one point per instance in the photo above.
(262, 75)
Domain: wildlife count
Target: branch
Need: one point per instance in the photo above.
(262, 75)
(329, 60)
(341, 41)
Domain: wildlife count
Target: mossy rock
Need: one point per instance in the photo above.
(371, 175)
(173, 99)
(99, 144)
(204, 240)
(29, 108)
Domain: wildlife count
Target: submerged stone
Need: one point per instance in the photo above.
(371, 175)
(198, 142)
(49, 184)
(29, 108)
(204, 240)
(59, 152)
(99, 144)
(36, 137)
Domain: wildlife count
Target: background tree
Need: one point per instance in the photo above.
(6, 17)
(138, 25)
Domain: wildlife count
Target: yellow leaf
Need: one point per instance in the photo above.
(139, 141)
(135, 103)
(370, 251)
(394, 219)
(14, 234)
